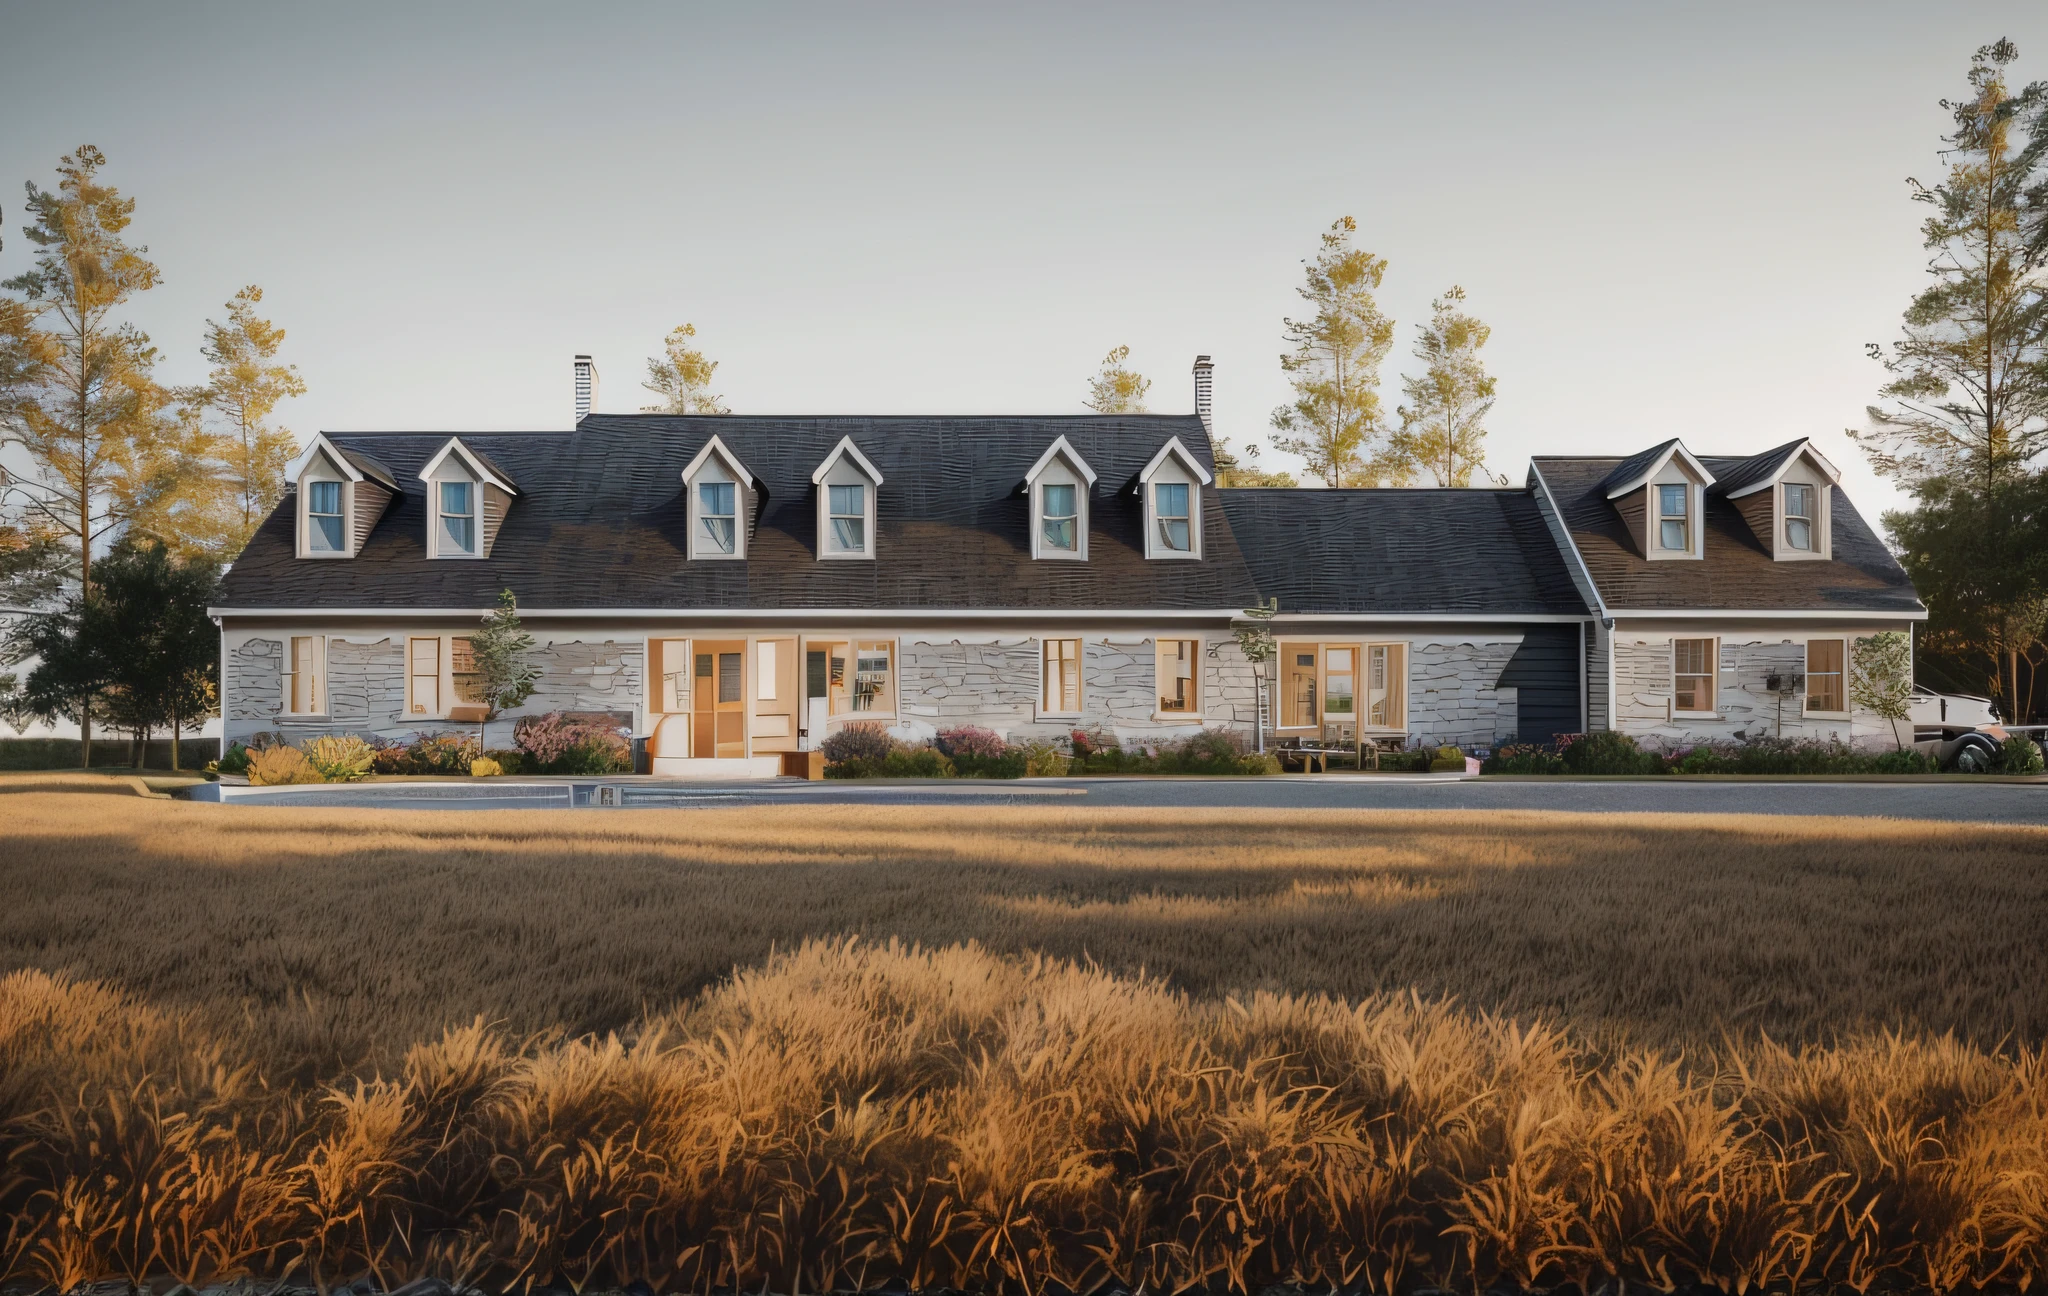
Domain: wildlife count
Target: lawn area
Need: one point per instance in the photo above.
(1003, 1047)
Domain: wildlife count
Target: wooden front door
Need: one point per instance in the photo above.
(718, 698)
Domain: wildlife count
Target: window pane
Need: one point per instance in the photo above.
(847, 500)
(1060, 519)
(1798, 533)
(1672, 535)
(871, 678)
(1059, 533)
(719, 533)
(1173, 533)
(1799, 501)
(1671, 501)
(1173, 499)
(849, 535)
(730, 666)
(454, 497)
(764, 671)
(1059, 501)
(324, 497)
(327, 534)
(716, 498)
(1176, 666)
(1337, 694)
(458, 534)
(1062, 665)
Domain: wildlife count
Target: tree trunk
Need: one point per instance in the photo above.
(85, 733)
(175, 766)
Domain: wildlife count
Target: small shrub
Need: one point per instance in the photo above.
(1447, 760)
(1012, 763)
(1415, 761)
(235, 760)
(1523, 758)
(1211, 751)
(1043, 758)
(2019, 754)
(485, 767)
(509, 761)
(971, 740)
(866, 741)
(279, 766)
(1904, 761)
(560, 744)
(1087, 744)
(917, 762)
(1607, 752)
(340, 759)
(1258, 763)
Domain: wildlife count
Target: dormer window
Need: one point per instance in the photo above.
(1799, 516)
(848, 484)
(324, 530)
(720, 494)
(1058, 517)
(1171, 487)
(849, 534)
(1170, 510)
(458, 519)
(718, 515)
(1674, 520)
(1058, 488)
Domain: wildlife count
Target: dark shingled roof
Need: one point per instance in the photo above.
(372, 468)
(1635, 465)
(600, 522)
(1484, 552)
(1756, 468)
(1737, 572)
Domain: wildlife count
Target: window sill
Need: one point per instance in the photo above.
(1697, 715)
(1061, 716)
(846, 557)
(304, 715)
(1177, 717)
(1824, 715)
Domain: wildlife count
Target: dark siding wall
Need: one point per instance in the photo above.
(1545, 670)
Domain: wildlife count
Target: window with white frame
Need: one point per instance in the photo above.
(1800, 518)
(874, 677)
(423, 676)
(456, 509)
(1340, 683)
(1060, 518)
(1171, 515)
(1180, 675)
(1824, 676)
(1386, 686)
(326, 528)
(847, 517)
(1059, 690)
(718, 516)
(1692, 675)
(305, 675)
(1674, 518)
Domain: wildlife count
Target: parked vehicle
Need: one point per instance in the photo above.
(1961, 730)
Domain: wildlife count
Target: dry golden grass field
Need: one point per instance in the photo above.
(1004, 1048)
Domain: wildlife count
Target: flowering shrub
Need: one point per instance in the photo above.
(277, 766)
(340, 759)
(1606, 752)
(1523, 758)
(971, 740)
(866, 741)
(562, 744)
(447, 753)
(485, 767)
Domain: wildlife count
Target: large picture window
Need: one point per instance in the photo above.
(305, 680)
(1060, 685)
(324, 527)
(1179, 663)
(1824, 676)
(1692, 674)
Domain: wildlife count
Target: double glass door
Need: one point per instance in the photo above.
(724, 698)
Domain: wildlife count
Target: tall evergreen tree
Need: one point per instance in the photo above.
(681, 376)
(1334, 421)
(1116, 388)
(506, 671)
(1443, 422)
(1968, 394)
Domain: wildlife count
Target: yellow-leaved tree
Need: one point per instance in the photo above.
(1334, 421)
(242, 390)
(1443, 422)
(1117, 388)
(681, 376)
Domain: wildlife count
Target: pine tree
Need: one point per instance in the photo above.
(682, 377)
(1968, 395)
(506, 675)
(1115, 388)
(1335, 421)
(1443, 423)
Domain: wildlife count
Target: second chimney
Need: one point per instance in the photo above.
(586, 386)
(1204, 370)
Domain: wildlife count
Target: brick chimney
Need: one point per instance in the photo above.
(586, 386)
(1204, 370)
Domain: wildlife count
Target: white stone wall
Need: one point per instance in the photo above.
(1451, 694)
(993, 681)
(1744, 706)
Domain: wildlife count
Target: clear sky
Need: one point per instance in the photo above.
(1679, 221)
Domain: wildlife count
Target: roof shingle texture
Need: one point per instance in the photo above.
(1483, 552)
(1738, 572)
(600, 522)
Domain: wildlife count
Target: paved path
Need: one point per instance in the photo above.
(1955, 801)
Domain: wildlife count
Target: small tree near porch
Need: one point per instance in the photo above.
(505, 670)
(1881, 678)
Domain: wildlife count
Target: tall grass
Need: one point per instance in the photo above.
(851, 1113)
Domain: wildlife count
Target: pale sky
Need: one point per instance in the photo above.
(1678, 222)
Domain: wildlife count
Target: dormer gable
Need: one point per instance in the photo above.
(1171, 489)
(722, 500)
(847, 486)
(337, 498)
(1786, 496)
(1059, 487)
(468, 497)
(1661, 496)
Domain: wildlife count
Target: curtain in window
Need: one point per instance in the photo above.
(1799, 516)
(717, 515)
(1062, 684)
(1170, 503)
(1060, 517)
(323, 511)
(1671, 515)
(458, 517)
(849, 518)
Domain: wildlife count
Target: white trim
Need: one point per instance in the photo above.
(1080, 642)
(318, 445)
(846, 448)
(1806, 447)
(1173, 447)
(1201, 654)
(1061, 446)
(1643, 478)
(1431, 618)
(303, 505)
(732, 461)
(1739, 614)
(435, 549)
(819, 614)
(1713, 676)
(482, 474)
(1571, 546)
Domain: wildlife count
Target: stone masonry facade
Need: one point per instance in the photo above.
(1744, 706)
